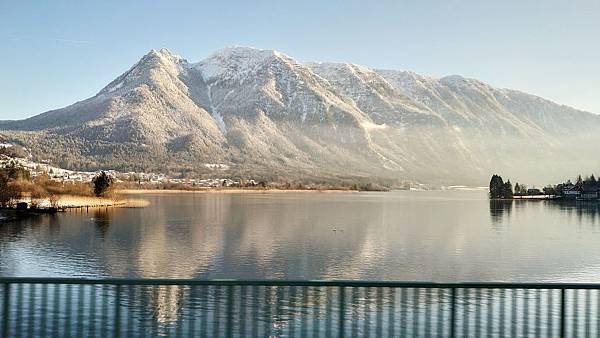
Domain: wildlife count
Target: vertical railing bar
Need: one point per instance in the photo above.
(104, 310)
(6, 311)
(465, 308)
(229, 328)
(367, 322)
(428, 312)
(513, 313)
(379, 328)
(204, 311)
(279, 307)
(478, 316)
(44, 314)
(538, 313)
(166, 327)
(597, 310)
(355, 315)
(117, 324)
(92, 312)
(342, 311)
(562, 312)
(243, 309)
(588, 310)
(575, 320)
(292, 320)
(403, 311)
(304, 327)
(31, 312)
(255, 310)
(440, 312)
(490, 312)
(68, 309)
(415, 311)
(80, 310)
(502, 315)
(192, 311)
(217, 311)
(131, 290)
(526, 316)
(155, 299)
(392, 312)
(56, 315)
(268, 312)
(19, 315)
(316, 310)
(181, 316)
(453, 313)
(146, 312)
(549, 317)
(329, 310)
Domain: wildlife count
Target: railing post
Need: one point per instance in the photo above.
(453, 314)
(6, 310)
(562, 312)
(117, 311)
(342, 309)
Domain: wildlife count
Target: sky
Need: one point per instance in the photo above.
(54, 53)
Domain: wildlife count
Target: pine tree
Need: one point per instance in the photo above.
(496, 187)
(507, 191)
(102, 184)
(517, 188)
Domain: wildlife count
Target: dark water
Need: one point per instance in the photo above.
(426, 236)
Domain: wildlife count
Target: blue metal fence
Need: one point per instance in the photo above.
(62, 307)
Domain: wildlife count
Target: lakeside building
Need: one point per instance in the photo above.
(590, 191)
(587, 190)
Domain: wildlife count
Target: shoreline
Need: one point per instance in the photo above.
(225, 191)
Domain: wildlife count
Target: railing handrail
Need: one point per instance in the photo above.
(315, 283)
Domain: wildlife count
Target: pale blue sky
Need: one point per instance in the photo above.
(54, 53)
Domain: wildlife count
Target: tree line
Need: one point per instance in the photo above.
(500, 189)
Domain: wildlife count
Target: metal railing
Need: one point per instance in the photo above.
(63, 307)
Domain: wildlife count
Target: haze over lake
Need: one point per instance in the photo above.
(404, 235)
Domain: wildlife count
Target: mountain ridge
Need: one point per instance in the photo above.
(263, 113)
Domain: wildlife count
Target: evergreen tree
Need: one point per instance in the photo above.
(102, 184)
(507, 190)
(496, 187)
(579, 182)
(517, 188)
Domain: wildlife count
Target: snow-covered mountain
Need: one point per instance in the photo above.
(265, 114)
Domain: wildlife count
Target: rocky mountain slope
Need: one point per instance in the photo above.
(265, 114)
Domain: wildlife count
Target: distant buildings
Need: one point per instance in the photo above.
(587, 190)
(142, 178)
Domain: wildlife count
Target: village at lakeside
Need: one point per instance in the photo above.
(584, 189)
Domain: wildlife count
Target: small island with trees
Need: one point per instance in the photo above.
(583, 189)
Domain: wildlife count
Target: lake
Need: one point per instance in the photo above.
(436, 236)
(403, 235)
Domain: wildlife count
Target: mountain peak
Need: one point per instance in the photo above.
(163, 54)
(238, 60)
(246, 52)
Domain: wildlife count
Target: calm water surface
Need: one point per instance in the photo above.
(427, 236)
